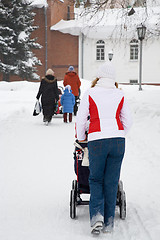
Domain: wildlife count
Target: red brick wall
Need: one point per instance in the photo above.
(59, 10)
(12, 78)
(63, 48)
(40, 35)
(64, 52)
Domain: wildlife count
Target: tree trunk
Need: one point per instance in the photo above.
(6, 77)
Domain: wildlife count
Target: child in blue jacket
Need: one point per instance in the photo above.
(67, 102)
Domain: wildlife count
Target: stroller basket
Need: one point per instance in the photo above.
(81, 171)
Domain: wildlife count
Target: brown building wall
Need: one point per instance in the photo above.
(60, 11)
(39, 33)
(64, 53)
(62, 48)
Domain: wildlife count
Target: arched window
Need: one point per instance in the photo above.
(134, 49)
(100, 50)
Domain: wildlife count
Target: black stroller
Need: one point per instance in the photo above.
(81, 185)
(77, 103)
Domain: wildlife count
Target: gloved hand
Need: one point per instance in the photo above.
(83, 144)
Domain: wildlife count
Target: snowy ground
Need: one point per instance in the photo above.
(36, 170)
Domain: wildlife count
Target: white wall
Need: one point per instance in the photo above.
(125, 68)
(151, 59)
(153, 3)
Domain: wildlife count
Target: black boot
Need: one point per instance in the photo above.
(44, 119)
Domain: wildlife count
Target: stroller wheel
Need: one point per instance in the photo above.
(74, 185)
(122, 205)
(73, 204)
(120, 186)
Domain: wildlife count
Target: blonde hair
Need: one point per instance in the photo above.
(94, 82)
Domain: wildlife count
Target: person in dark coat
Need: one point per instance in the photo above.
(67, 102)
(48, 91)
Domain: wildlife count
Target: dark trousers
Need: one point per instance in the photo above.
(48, 108)
(105, 158)
(65, 117)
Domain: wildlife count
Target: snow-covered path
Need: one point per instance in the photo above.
(36, 170)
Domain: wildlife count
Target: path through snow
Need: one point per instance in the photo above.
(36, 171)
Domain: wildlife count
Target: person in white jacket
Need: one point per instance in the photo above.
(110, 120)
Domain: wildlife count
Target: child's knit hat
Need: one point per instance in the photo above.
(68, 87)
(71, 69)
(106, 71)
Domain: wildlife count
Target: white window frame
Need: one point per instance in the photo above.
(134, 49)
(100, 50)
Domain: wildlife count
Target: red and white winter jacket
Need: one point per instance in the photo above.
(109, 114)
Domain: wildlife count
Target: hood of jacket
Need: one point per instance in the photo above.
(66, 91)
(71, 74)
(49, 78)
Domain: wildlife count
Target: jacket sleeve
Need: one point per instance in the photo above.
(40, 90)
(125, 116)
(78, 81)
(73, 99)
(56, 91)
(65, 80)
(82, 117)
(62, 97)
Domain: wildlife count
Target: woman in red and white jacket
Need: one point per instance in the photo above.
(110, 120)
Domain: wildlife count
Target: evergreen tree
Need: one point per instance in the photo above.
(16, 26)
(6, 42)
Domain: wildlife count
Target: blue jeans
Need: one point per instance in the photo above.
(105, 159)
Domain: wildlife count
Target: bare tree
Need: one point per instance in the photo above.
(126, 7)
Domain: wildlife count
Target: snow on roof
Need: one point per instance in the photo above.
(72, 27)
(111, 23)
(38, 3)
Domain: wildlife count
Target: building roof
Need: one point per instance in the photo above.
(38, 3)
(111, 23)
